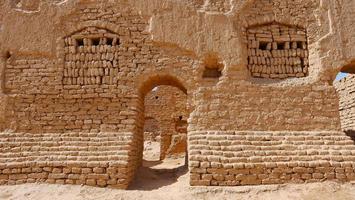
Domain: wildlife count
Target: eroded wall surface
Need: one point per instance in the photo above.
(80, 70)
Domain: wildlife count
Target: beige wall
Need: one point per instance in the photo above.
(53, 84)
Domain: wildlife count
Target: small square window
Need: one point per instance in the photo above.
(212, 73)
(280, 46)
(79, 42)
(95, 41)
(110, 41)
(299, 45)
(263, 45)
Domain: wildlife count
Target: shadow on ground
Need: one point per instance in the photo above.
(153, 175)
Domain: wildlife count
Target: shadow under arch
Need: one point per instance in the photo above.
(349, 68)
(342, 79)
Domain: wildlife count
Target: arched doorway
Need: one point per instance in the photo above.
(346, 70)
(168, 106)
(164, 114)
(345, 86)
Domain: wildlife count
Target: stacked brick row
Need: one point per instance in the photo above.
(277, 51)
(346, 93)
(253, 158)
(267, 108)
(30, 75)
(73, 158)
(87, 63)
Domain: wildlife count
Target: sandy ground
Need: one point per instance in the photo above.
(158, 180)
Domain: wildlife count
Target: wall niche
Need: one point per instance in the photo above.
(91, 57)
(213, 68)
(277, 51)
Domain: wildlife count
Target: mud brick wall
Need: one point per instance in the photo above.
(277, 51)
(254, 158)
(76, 70)
(259, 107)
(168, 106)
(96, 159)
(91, 58)
(86, 89)
(92, 86)
(346, 92)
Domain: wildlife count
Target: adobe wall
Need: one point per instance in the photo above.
(345, 89)
(252, 158)
(83, 88)
(80, 70)
(167, 105)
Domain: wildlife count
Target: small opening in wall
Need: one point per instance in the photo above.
(212, 67)
(95, 41)
(164, 148)
(110, 41)
(263, 45)
(79, 42)
(156, 97)
(7, 55)
(180, 117)
(212, 73)
(280, 45)
(299, 45)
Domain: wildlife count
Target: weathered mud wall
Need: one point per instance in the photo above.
(84, 66)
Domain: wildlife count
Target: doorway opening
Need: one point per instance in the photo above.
(344, 84)
(164, 127)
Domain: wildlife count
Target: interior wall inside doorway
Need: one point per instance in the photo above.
(166, 121)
